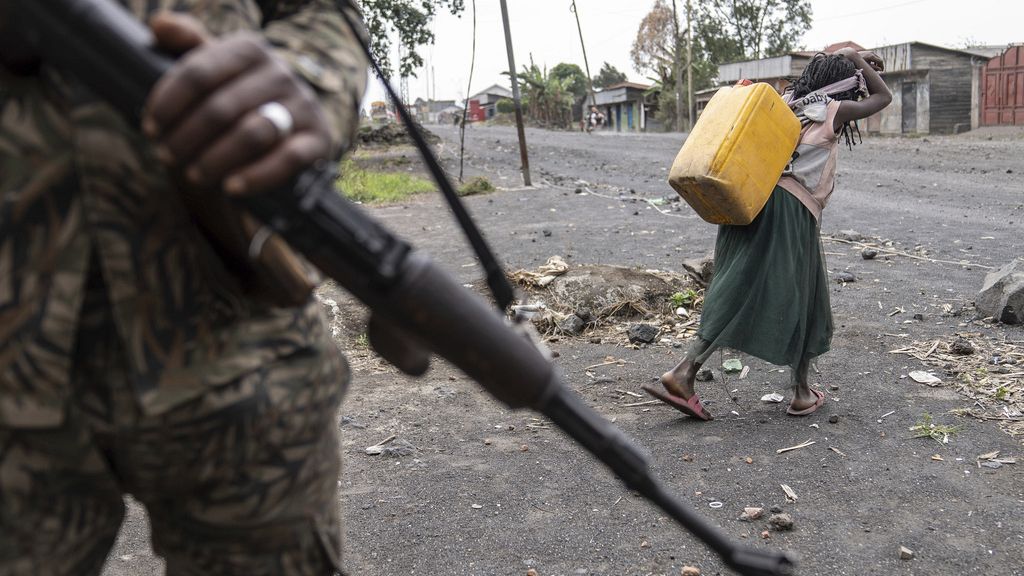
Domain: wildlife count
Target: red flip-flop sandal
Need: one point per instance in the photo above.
(810, 409)
(691, 407)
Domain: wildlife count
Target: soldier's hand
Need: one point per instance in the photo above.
(229, 112)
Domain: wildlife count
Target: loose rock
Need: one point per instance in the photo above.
(845, 278)
(751, 514)
(781, 522)
(869, 253)
(642, 333)
(690, 571)
(833, 419)
(850, 235)
(595, 339)
(732, 366)
(705, 375)
(962, 347)
(571, 324)
(1002, 295)
(906, 553)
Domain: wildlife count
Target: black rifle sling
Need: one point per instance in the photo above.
(500, 287)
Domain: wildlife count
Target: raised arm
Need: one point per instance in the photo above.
(878, 92)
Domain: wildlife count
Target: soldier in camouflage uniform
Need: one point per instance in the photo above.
(135, 356)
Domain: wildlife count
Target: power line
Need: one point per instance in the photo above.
(871, 11)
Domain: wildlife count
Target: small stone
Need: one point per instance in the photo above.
(645, 544)
(869, 253)
(751, 514)
(776, 509)
(524, 448)
(531, 571)
(833, 419)
(546, 233)
(906, 553)
(781, 522)
(765, 535)
(585, 314)
(642, 333)
(845, 278)
(833, 387)
(850, 235)
(690, 571)
(962, 347)
(487, 441)
(748, 460)
(705, 375)
(919, 317)
(595, 339)
(571, 324)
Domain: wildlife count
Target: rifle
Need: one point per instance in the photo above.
(112, 54)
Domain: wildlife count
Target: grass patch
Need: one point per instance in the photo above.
(926, 428)
(370, 186)
(476, 185)
(683, 298)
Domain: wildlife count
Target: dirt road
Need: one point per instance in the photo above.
(489, 491)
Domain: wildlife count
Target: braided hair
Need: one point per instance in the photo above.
(822, 70)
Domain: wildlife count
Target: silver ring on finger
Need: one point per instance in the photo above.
(279, 116)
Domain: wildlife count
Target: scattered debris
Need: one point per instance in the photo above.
(748, 460)
(906, 553)
(992, 377)
(732, 366)
(705, 375)
(765, 535)
(750, 514)
(477, 185)
(922, 377)
(797, 447)
(476, 506)
(608, 360)
(701, 270)
(531, 572)
(837, 451)
(937, 458)
(781, 522)
(546, 274)
(715, 504)
(884, 416)
(379, 447)
(790, 494)
(774, 397)
(633, 394)
(690, 571)
(645, 544)
(644, 403)
(744, 372)
(992, 460)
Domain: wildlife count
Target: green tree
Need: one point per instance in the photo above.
(577, 80)
(730, 30)
(547, 100)
(608, 76)
(404, 21)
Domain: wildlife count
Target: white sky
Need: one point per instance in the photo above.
(547, 30)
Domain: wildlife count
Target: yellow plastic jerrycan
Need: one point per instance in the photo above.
(735, 153)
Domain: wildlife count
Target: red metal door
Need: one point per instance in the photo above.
(1003, 100)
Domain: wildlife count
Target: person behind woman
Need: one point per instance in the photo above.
(769, 295)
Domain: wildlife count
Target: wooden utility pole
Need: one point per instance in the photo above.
(678, 57)
(690, 107)
(515, 96)
(590, 81)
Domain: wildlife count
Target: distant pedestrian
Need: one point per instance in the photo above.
(595, 119)
(769, 294)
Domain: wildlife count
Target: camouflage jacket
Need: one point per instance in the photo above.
(81, 193)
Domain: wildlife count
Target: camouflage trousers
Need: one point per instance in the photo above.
(242, 480)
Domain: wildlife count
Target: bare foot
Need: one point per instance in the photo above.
(803, 399)
(679, 381)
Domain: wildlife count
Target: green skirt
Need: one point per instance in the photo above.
(769, 293)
